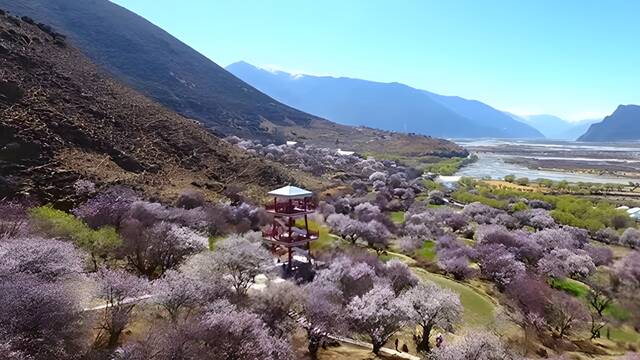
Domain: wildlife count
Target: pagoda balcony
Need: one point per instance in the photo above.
(298, 237)
(290, 208)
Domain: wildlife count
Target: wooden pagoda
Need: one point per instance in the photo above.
(290, 203)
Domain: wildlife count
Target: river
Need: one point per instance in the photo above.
(495, 160)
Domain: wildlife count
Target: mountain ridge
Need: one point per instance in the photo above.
(165, 69)
(356, 101)
(622, 125)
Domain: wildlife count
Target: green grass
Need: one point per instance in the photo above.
(623, 334)
(617, 312)
(450, 166)
(397, 217)
(479, 310)
(581, 290)
(570, 286)
(427, 251)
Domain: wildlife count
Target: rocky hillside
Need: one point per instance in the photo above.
(622, 125)
(163, 68)
(62, 119)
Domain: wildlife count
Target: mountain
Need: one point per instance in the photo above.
(554, 127)
(163, 68)
(484, 114)
(622, 125)
(64, 119)
(389, 106)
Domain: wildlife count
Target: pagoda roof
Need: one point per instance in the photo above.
(290, 192)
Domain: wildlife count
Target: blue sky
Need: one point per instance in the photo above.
(572, 58)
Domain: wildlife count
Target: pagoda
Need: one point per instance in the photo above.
(289, 204)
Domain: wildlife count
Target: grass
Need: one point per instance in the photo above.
(580, 290)
(427, 251)
(479, 310)
(570, 286)
(623, 334)
(397, 217)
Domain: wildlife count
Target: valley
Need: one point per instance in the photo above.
(155, 205)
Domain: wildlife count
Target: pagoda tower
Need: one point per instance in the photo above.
(289, 204)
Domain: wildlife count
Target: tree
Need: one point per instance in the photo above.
(399, 275)
(528, 299)
(277, 304)
(366, 212)
(13, 220)
(456, 221)
(608, 236)
(631, 238)
(40, 302)
(233, 334)
(565, 314)
(107, 208)
(453, 257)
(433, 306)
(178, 294)
(351, 278)
(45, 259)
(498, 265)
(473, 346)
(323, 313)
(378, 313)
(564, 262)
(120, 290)
(40, 320)
(376, 235)
(152, 250)
(599, 298)
(601, 255)
(627, 272)
(241, 260)
(346, 227)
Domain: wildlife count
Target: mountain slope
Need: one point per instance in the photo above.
(165, 69)
(484, 114)
(63, 119)
(152, 61)
(622, 125)
(390, 106)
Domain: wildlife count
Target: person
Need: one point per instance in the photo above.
(439, 340)
(396, 344)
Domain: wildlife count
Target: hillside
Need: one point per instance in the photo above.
(163, 68)
(622, 125)
(389, 106)
(63, 119)
(484, 114)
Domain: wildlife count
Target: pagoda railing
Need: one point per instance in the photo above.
(293, 207)
(298, 236)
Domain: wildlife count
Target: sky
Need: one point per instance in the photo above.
(576, 59)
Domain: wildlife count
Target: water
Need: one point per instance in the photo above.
(493, 153)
